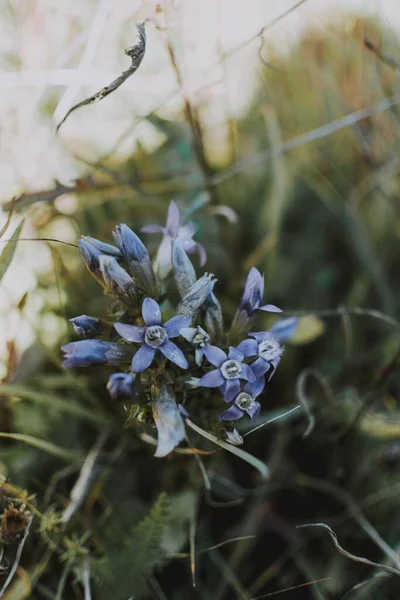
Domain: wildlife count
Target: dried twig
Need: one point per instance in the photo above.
(136, 53)
(16, 560)
(359, 559)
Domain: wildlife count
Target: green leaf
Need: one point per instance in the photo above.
(252, 460)
(48, 447)
(9, 250)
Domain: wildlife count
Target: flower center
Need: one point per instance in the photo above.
(231, 369)
(200, 339)
(269, 349)
(244, 400)
(155, 336)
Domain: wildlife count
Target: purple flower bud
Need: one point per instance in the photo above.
(137, 258)
(196, 296)
(121, 386)
(185, 275)
(233, 436)
(91, 255)
(104, 248)
(117, 280)
(167, 417)
(86, 353)
(87, 327)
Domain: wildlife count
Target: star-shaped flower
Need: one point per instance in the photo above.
(230, 369)
(245, 402)
(154, 336)
(267, 349)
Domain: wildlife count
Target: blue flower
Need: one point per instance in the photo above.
(267, 349)
(230, 370)
(245, 402)
(92, 352)
(154, 336)
(199, 338)
(137, 258)
(253, 295)
(87, 327)
(121, 386)
(283, 329)
(174, 229)
(117, 280)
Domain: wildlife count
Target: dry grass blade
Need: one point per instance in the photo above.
(290, 589)
(16, 560)
(136, 53)
(359, 559)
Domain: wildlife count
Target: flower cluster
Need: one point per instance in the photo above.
(162, 353)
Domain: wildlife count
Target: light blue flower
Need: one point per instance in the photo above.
(86, 353)
(154, 337)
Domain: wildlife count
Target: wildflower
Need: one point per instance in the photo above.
(93, 352)
(173, 230)
(154, 336)
(230, 369)
(121, 386)
(233, 436)
(104, 248)
(184, 273)
(267, 349)
(167, 417)
(252, 298)
(199, 338)
(136, 257)
(87, 327)
(196, 296)
(117, 280)
(245, 402)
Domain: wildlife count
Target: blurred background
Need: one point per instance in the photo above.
(275, 126)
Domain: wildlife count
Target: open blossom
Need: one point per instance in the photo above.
(199, 338)
(245, 402)
(154, 337)
(174, 229)
(230, 369)
(267, 349)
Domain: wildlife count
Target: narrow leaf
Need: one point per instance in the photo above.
(252, 460)
(48, 447)
(9, 250)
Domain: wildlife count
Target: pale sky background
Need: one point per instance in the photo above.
(40, 61)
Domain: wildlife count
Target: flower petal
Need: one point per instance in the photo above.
(270, 308)
(215, 355)
(235, 354)
(198, 355)
(255, 388)
(260, 367)
(231, 390)
(283, 329)
(202, 254)
(212, 379)
(143, 358)
(174, 325)
(233, 413)
(247, 373)
(152, 229)
(274, 363)
(151, 312)
(173, 219)
(254, 410)
(174, 354)
(131, 333)
(188, 333)
(248, 348)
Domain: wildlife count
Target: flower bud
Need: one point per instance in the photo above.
(117, 280)
(91, 255)
(137, 258)
(196, 296)
(233, 436)
(122, 386)
(213, 317)
(103, 247)
(86, 353)
(87, 327)
(167, 417)
(185, 275)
